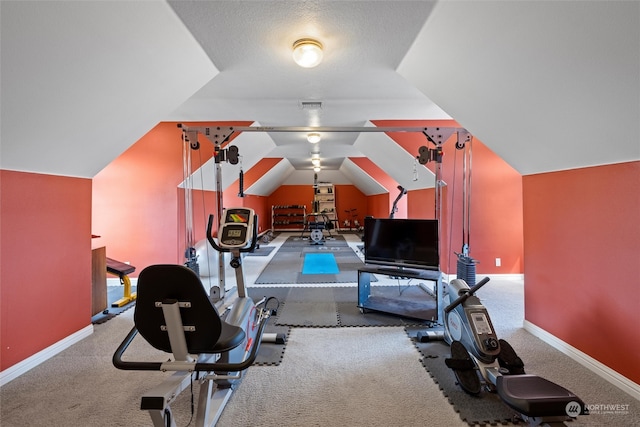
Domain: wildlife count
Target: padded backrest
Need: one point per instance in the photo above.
(158, 283)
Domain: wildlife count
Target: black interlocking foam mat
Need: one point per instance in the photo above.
(308, 314)
(114, 293)
(270, 354)
(330, 307)
(485, 409)
(350, 315)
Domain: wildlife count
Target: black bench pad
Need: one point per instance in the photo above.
(119, 268)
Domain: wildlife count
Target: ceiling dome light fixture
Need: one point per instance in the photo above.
(313, 137)
(307, 52)
(316, 169)
(315, 162)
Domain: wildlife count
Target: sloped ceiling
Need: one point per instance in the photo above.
(82, 81)
(545, 85)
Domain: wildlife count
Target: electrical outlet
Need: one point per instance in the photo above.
(498, 262)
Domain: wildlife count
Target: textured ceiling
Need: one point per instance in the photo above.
(546, 85)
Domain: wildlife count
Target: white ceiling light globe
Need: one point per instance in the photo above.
(307, 53)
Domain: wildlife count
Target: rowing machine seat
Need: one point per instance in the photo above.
(207, 332)
(535, 396)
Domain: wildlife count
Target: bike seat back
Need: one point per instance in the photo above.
(205, 331)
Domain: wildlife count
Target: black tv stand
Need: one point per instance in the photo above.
(429, 308)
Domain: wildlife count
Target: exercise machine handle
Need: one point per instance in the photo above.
(254, 237)
(394, 209)
(210, 238)
(200, 367)
(212, 241)
(463, 298)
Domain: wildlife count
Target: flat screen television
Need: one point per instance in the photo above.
(400, 243)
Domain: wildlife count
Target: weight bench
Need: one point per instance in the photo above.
(122, 270)
(317, 227)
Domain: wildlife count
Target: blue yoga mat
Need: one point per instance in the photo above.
(320, 264)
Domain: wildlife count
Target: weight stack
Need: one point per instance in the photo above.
(466, 269)
(192, 260)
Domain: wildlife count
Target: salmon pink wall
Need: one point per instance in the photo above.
(136, 209)
(259, 205)
(496, 213)
(421, 203)
(378, 205)
(134, 200)
(347, 197)
(350, 197)
(582, 260)
(45, 282)
(388, 183)
(496, 201)
(204, 204)
(292, 195)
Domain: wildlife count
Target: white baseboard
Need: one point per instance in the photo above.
(31, 362)
(603, 371)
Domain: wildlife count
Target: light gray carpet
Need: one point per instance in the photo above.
(375, 379)
(353, 377)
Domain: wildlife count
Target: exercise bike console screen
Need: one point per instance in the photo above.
(236, 230)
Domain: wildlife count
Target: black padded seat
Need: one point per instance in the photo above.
(167, 282)
(119, 268)
(535, 396)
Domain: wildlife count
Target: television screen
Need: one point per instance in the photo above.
(409, 243)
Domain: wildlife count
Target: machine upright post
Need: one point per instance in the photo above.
(219, 206)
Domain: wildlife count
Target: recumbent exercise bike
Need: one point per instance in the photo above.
(479, 359)
(174, 314)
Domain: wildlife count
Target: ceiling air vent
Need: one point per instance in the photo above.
(311, 105)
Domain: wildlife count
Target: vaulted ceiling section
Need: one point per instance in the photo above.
(546, 85)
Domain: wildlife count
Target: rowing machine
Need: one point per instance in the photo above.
(480, 360)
